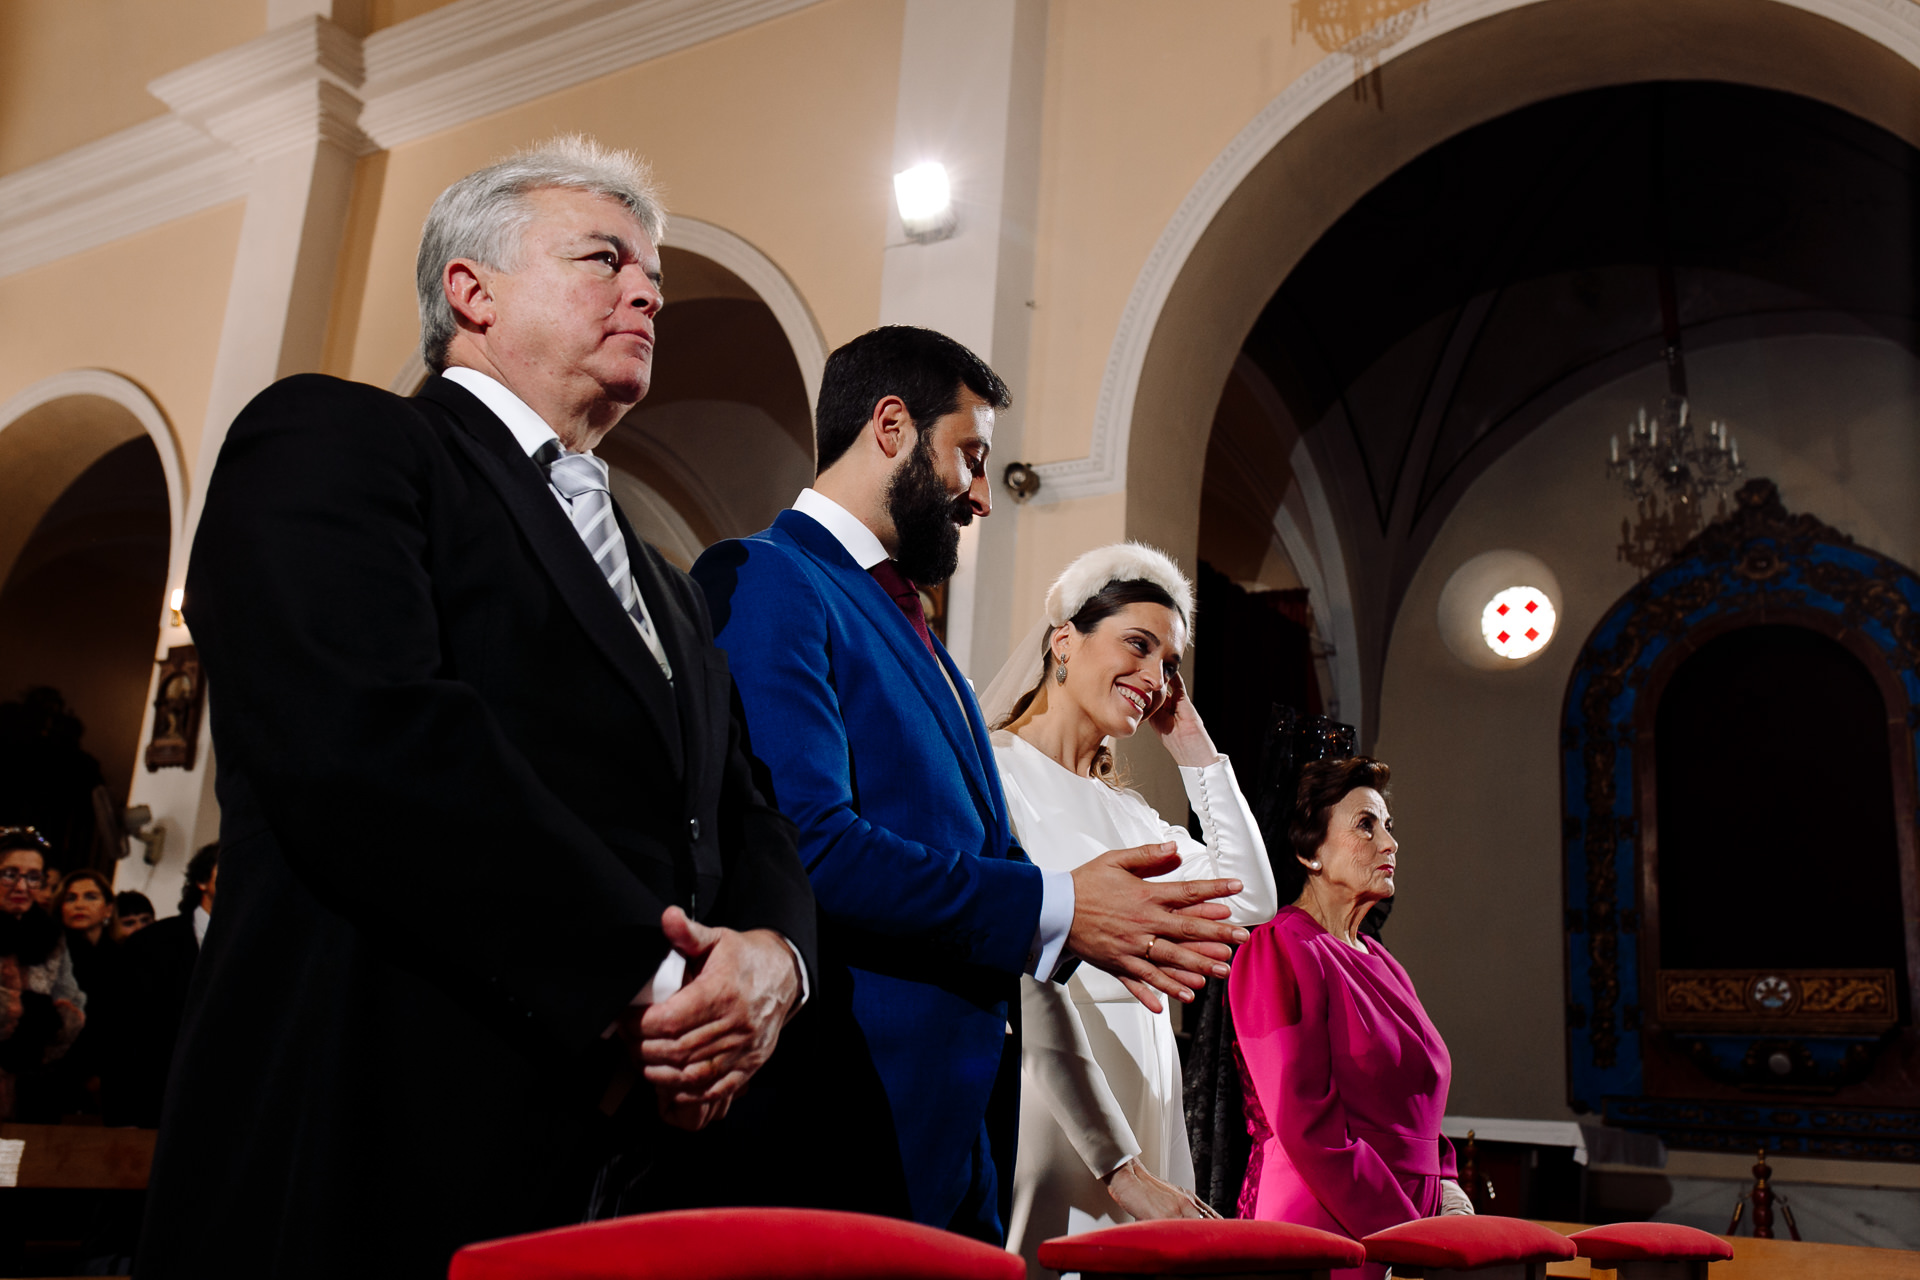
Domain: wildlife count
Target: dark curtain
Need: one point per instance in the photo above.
(1253, 684)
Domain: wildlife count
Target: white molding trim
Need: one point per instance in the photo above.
(1893, 24)
(764, 277)
(130, 396)
(430, 73)
(277, 93)
(475, 57)
(126, 183)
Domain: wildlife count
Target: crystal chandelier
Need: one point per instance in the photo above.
(1668, 472)
(1671, 476)
(1363, 29)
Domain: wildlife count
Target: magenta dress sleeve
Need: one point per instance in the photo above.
(1280, 998)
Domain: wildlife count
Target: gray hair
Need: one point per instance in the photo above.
(484, 215)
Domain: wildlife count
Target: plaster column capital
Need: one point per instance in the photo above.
(293, 87)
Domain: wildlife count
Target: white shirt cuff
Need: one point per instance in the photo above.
(1056, 921)
(666, 980)
(672, 975)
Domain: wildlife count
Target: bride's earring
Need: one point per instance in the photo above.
(1060, 672)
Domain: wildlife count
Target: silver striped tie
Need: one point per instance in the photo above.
(581, 479)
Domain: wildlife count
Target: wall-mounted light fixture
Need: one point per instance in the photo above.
(925, 200)
(1022, 480)
(174, 601)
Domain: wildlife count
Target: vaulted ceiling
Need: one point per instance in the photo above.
(1513, 268)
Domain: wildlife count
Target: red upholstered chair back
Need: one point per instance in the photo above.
(1651, 1250)
(1196, 1247)
(738, 1244)
(1486, 1247)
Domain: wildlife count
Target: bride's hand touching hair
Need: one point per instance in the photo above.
(1179, 726)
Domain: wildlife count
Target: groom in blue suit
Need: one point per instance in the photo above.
(896, 1091)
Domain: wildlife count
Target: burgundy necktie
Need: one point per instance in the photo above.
(907, 596)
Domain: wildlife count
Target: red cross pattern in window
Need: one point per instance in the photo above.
(1517, 622)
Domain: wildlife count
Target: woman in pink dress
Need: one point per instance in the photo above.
(1344, 1076)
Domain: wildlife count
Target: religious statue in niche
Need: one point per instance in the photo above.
(176, 710)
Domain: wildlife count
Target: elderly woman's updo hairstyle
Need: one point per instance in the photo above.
(1323, 785)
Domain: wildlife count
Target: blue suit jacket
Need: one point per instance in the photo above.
(928, 909)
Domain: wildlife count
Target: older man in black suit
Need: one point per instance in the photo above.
(491, 847)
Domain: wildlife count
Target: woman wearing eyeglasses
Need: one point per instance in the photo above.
(41, 1004)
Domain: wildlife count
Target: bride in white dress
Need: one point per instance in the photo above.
(1103, 1136)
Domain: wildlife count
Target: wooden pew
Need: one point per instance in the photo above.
(79, 1157)
(37, 1158)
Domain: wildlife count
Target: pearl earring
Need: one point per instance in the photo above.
(1314, 865)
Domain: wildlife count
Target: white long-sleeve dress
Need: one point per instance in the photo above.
(1100, 1075)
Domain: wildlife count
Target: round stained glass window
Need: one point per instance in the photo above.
(1517, 622)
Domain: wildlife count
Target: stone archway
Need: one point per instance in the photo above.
(92, 498)
(1299, 165)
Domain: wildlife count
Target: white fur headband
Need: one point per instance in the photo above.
(1082, 580)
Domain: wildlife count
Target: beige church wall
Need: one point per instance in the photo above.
(1475, 753)
(148, 307)
(1050, 537)
(781, 134)
(74, 71)
(1139, 100)
(1138, 103)
(381, 14)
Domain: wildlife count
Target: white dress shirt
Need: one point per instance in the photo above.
(531, 432)
(1056, 887)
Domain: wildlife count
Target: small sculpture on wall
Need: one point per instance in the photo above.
(180, 693)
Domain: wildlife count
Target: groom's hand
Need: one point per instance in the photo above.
(699, 1047)
(1166, 937)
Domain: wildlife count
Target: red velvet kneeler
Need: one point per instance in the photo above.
(1651, 1250)
(738, 1244)
(1487, 1247)
(1203, 1247)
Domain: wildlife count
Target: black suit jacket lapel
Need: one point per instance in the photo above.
(530, 501)
(686, 647)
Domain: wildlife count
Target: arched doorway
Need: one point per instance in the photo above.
(1511, 270)
(724, 439)
(89, 490)
(1317, 149)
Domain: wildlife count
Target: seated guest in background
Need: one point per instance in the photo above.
(1103, 1135)
(38, 973)
(1347, 1078)
(158, 966)
(132, 912)
(83, 904)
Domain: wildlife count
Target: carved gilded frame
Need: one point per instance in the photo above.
(1760, 564)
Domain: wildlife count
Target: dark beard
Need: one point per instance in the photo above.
(926, 519)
